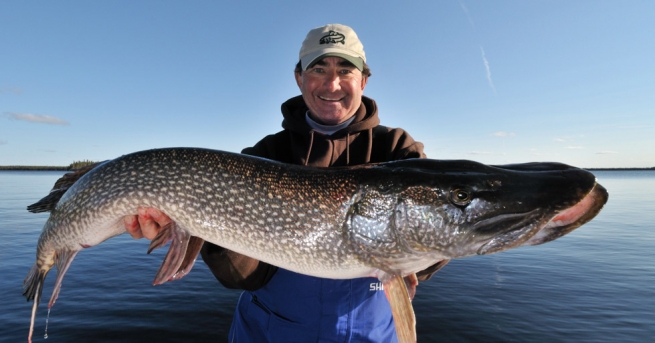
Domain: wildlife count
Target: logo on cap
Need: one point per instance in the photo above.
(333, 37)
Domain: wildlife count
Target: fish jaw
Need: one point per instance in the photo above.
(573, 217)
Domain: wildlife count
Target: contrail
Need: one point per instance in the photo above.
(486, 66)
(484, 57)
(466, 11)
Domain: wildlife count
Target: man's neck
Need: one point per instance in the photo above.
(327, 129)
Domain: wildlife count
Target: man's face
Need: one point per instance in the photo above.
(332, 89)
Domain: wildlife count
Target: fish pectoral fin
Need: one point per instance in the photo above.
(411, 281)
(192, 251)
(176, 252)
(401, 308)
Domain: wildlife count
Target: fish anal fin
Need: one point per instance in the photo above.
(396, 291)
(192, 251)
(176, 252)
(62, 261)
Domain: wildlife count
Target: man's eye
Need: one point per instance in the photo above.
(345, 71)
(318, 70)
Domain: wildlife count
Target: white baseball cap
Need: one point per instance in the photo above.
(332, 40)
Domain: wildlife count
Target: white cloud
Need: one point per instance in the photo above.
(502, 134)
(14, 90)
(480, 153)
(559, 139)
(36, 118)
(574, 147)
(606, 152)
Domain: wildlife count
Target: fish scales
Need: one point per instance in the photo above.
(319, 221)
(383, 220)
(221, 197)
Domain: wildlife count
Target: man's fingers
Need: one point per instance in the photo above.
(147, 223)
(149, 228)
(132, 226)
(158, 216)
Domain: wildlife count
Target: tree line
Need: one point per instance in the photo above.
(72, 166)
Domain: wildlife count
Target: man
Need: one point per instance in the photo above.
(330, 124)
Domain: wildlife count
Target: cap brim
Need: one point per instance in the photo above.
(312, 59)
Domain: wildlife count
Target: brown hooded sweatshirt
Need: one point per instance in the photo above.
(363, 141)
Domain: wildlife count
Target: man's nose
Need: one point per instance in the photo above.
(332, 81)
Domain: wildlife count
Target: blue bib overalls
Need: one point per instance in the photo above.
(298, 308)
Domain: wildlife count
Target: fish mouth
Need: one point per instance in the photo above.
(573, 217)
(507, 231)
(527, 228)
(565, 198)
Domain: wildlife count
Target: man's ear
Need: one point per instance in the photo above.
(298, 79)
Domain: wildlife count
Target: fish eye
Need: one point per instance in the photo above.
(460, 196)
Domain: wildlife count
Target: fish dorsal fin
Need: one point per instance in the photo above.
(49, 202)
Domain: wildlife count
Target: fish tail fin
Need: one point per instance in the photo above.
(175, 264)
(32, 285)
(32, 289)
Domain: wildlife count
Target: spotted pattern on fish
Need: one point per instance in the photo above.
(385, 220)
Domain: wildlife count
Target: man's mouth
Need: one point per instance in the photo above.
(324, 98)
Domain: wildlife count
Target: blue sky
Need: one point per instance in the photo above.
(492, 81)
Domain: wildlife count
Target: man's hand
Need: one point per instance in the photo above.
(147, 224)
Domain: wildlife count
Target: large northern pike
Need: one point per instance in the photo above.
(385, 220)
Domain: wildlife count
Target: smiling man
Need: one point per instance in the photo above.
(332, 89)
(331, 124)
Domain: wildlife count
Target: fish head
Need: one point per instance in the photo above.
(453, 209)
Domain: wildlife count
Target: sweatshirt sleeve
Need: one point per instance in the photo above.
(399, 145)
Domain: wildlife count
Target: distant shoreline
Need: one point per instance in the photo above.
(68, 168)
(35, 168)
(652, 168)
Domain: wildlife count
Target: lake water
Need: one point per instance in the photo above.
(595, 285)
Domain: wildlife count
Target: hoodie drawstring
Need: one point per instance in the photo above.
(309, 150)
(348, 148)
(369, 151)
